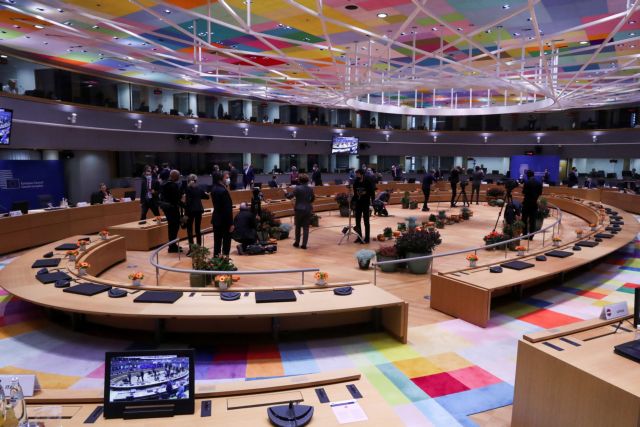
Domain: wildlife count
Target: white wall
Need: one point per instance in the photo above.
(585, 165)
(635, 164)
(500, 164)
(20, 155)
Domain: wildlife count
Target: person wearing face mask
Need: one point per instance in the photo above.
(192, 199)
(222, 218)
(149, 191)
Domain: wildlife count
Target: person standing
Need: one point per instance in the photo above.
(454, 178)
(294, 175)
(222, 218)
(248, 176)
(573, 178)
(546, 178)
(149, 194)
(193, 197)
(233, 176)
(170, 205)
(316, 176)
(363, 196)
(531, 191)
(303, 210)
(427, 181)
(476, 180)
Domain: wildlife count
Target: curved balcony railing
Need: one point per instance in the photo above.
(554, 226)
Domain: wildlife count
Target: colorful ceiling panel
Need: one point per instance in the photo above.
(383, 55)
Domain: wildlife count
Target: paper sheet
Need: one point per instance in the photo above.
(348, 411)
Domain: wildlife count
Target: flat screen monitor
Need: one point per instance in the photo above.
(6, 116)
(149, 384)
(344, 145)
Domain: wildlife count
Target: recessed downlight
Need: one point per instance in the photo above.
(351, 7)
(382, 15)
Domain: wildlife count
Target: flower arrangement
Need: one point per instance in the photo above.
(556, 241)
(364, 257)
(342, 199)
(138, 275)
(321, 277)
(387, 232)
(418, 242)
(157, 219)
(72, 254)
(82, 267)
(224, 281)
(472, 257)
(104, 234)
(520, 250)
(235, 278)
(593, 226)
(494, 237)
(579, 231)
(83, 243)
(387, 252)
(397, 234)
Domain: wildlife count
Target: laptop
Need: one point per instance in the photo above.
(630, 350)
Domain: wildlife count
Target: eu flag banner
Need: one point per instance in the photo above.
(520, 164)
(25, 180)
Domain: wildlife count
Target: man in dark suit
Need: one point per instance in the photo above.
(170, 203)
(244, 228)
(248, 176)
(233, 176)
(149, 194)
(546, 179)
(454, 178)
(427, 182)
(364, 194)
(303, 209)
(103, 194)
(222, 217)
(531, 191)
(476, 180)
(316, 176)
(573, 178)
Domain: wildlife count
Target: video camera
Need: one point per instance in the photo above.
(510, 185)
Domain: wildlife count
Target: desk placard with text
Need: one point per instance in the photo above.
(613, 311)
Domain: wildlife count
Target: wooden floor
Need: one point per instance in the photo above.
(339, 260)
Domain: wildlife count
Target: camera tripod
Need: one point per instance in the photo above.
(463, 194)
(508, 198)
(348, 230)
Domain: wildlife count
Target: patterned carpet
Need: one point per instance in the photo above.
(448, 371)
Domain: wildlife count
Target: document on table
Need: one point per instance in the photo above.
(348, 411)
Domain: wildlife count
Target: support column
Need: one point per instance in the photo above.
(270, 161)
(457, 161)
(50, 155)
(246, 158)
(354, 162)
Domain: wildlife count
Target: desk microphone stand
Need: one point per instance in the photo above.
(348, 230)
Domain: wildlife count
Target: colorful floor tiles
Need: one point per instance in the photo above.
(445, 373)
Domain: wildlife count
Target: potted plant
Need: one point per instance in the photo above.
(406, 199)
(397, 233)
(499, 203)
(556, 241)
(593, 226)
(82, 268)
(521, 250)
(442, 215)
(200, 261)
(104, 235)
(465, 213)
(387, 232)
(72, 255)
(342, 199)
(473, 260)
(387, 253)
(412, 222)
(579, 232)
(284, 230)
(432, 218)
(315, 220)
(493, 194)
(321, 278)
(136, 278)
(364, 257)
(439, 223)
(492, 238)
(402, 226)
(416, 243)
(413, 204)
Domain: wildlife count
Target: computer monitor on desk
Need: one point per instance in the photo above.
(149, 384)
(21, 205)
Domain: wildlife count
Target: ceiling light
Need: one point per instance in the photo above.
(632, 22)
(95, 27)
(60, 10)
(434, 29)
(73, 118)
(538, 139)
(167, 11)
(485, 139)
(506, 6)
(137, 124)
(245, 131)
(386, 137)
(460, 29)
(195, 128)
(68, 23)
(116, 37)
(351, 7)
(584, 42)
(632, 34)
(39, 26)
(382, 15)
(516, 34)
(435, 138)
(3, 56)
(294, 134)
(403, 33)
(39, 9)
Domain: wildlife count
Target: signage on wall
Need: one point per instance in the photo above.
(32, 181)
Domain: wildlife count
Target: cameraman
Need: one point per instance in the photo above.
(454, 178)
(464, 181)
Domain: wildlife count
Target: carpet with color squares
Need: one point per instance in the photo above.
(447, 371)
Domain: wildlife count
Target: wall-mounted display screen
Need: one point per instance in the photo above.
(6, 117)
(344, 145)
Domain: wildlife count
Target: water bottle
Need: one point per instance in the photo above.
(3, 406)
(17, 406)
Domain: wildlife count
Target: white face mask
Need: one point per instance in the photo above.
(227, 181)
